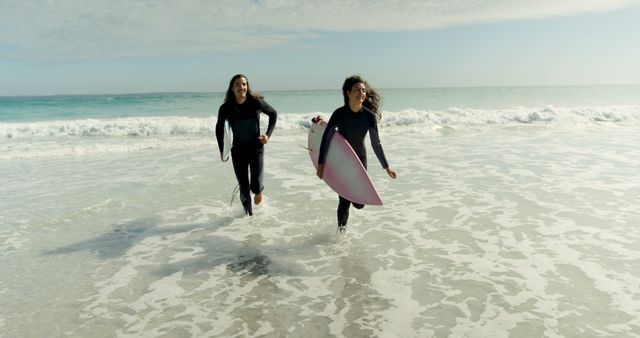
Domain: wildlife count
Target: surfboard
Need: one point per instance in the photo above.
(343, 171)
(228, 141)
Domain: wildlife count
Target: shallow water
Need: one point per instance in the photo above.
(528, 230)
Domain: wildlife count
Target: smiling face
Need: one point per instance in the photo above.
(240, 88)
(357, 94)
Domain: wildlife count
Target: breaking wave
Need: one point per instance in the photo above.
(406, 120)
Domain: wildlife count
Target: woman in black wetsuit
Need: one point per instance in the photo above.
(242, 109)
(358, 116)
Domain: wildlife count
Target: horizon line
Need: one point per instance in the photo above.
(304, 90)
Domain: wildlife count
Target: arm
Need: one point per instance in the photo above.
(377, 148)
(326, 137)
(324, 144)
(273, 117)
(222, 116)
(375, 143)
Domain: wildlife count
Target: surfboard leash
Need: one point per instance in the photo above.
(233, 194)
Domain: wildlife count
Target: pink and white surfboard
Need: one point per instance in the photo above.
(343, 171)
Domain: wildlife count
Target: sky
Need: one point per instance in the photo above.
(58, 47)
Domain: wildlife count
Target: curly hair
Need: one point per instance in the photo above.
(373, 99)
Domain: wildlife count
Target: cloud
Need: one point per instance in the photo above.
(77, 29)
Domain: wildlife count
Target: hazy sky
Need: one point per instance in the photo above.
(126, 46)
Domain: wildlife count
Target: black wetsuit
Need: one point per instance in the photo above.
(354, 127)
(247, 152)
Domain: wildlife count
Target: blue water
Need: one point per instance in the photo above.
(30, 109)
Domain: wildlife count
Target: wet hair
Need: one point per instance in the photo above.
(373, 100)
(230, 96)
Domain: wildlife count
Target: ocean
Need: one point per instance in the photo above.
(515, 214)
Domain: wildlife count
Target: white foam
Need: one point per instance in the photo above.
(488, 232)
(48, 148)
(130, 126)
(408, 119)
(12, 241)
(105, 136)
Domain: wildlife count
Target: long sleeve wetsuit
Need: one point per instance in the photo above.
(354, 127)
(247, 152)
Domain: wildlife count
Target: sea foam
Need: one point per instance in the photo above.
(417, 120)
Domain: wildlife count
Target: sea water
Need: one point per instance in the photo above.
(515, 214)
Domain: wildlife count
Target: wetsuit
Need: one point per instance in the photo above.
(247, 152)
(354, 127)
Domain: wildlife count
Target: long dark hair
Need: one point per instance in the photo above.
(373, 100)
(230, 97)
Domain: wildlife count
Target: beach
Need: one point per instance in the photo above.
(514, 214)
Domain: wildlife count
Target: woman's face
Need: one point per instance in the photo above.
(358, 93)
(240, 87)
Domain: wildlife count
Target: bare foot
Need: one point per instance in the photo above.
(257, 199)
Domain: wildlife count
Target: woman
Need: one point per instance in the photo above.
(358, 116)
(242, 109)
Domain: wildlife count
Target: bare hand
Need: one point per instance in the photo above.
(320, 170)
(263, 139)
(390, 172)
